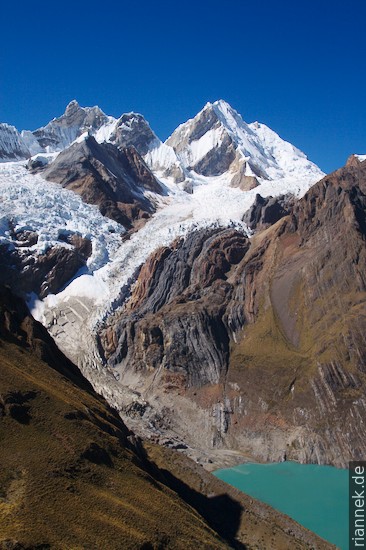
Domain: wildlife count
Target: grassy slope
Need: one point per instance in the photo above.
(67, 479)
(310, 316)
(317, 323)
(72, 477)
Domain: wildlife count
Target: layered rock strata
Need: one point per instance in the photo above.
(256, 345)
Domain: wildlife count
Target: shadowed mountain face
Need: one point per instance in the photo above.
(131, 129)
(265, 338)
(266, 211)
(115, 179)
(72, 475)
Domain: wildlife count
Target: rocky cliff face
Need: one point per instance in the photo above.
(263, 341)
(115, 179)
(132, 129)
(265, 211)
(178, 304)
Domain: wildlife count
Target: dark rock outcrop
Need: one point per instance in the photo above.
(43, 273)
(37, 162)
(114, 179)
(132, 130)
(266, 211)
(175, 315)
(218, 160)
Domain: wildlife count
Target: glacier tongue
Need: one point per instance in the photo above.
(31, 203)
(34, 204)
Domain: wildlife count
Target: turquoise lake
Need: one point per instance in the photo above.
(315, 496)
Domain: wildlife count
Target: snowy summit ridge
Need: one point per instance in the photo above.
(60, 132)
(211, 167)
(218, 140)
(215, 142)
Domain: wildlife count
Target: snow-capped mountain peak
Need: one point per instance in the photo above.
(290, 160)
(60, 132)
(217, 141)
(72, 107)
(133, 129)
(230, 118)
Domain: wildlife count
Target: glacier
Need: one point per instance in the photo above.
(32, 203)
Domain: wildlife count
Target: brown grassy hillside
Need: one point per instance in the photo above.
(70, 477)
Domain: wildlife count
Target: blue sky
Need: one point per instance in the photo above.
(297, 67)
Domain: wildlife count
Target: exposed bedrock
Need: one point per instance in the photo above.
(114, 179)
(266, 211)
(25, 271)
(257, 345)
(175, 316)
(132, 130)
